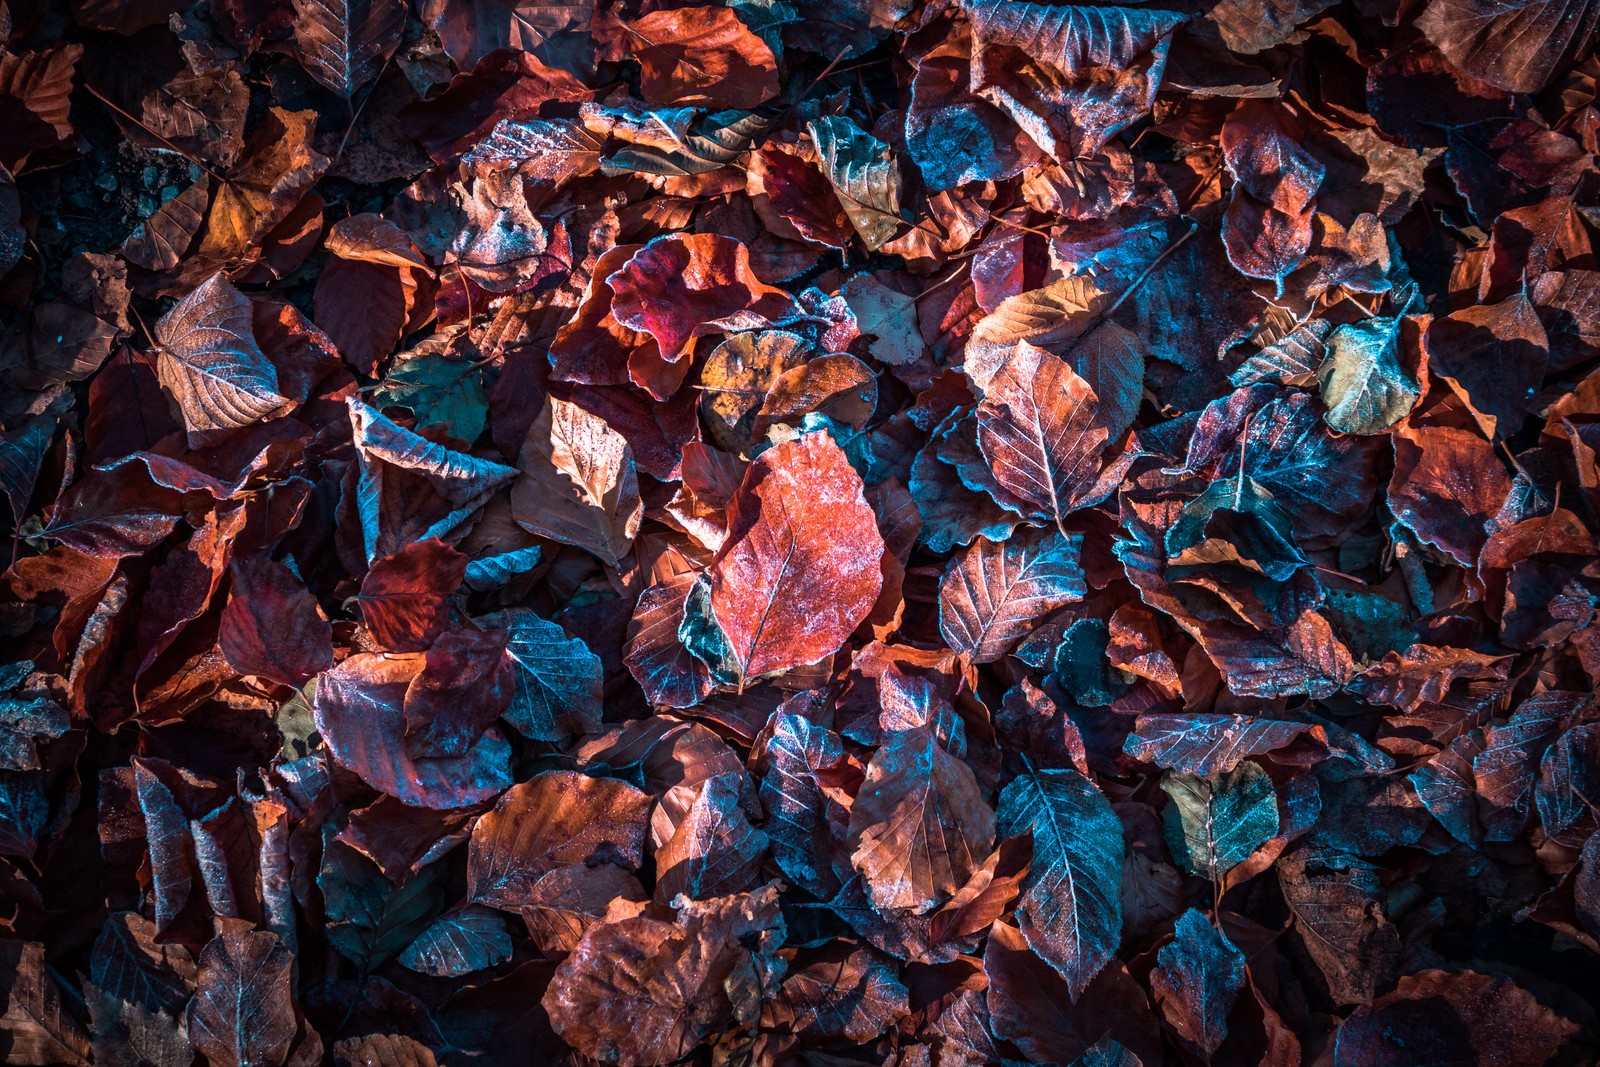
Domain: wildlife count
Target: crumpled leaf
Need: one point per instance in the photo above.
(554, 820)
(361, 715)
(1070, 77)
(683, 286)
(1202, 744)
(641, 991)
(411, 489)
(702, 57)
(1365, 387)
(1452, 1017)
(578, 484)
(865, 176)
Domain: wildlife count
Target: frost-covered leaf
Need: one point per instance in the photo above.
(1363, 384)
(1071, 906)
(211, 365)
(458, 943)
(993, 594)
(865, 176)
(1214, 823)
(558, 679)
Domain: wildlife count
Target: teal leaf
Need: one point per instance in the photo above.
(370, 919)
(1198, 975)
(441, 392)
(1214, 823)
(472, 939)
(1071, 906)
(558, 679)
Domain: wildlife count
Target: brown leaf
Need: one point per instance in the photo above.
(37, 1026)
(1453, 1017)
(919, 828)
(242, 1013)
(578, 483)
(211, 365)
(642, 991)
(278, 168)
(272, 626)
(701, 57)
(345, 43)
(34, 108)
(556, 819)
(994, 594)
(404, 598)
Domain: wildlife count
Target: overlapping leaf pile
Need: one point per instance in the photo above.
(799, 532)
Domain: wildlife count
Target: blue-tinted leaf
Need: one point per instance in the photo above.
(1506, 769)
(492, 572)
(951, 513)
(1071, 907)
(441, 392)
(22, 452)
(130, 965)
(172, 871)
(410, 488)
(557, 693)
(1107, 1053)
(29, 718)
(1446, 788)
(1322, 481)
(1215, 822)
(804, 823)
(715, 851)
(459, 943)
(1568, 794)
(370, 919)
(360, 714)
(1080, 663)
(24, 812)
(1198, 975)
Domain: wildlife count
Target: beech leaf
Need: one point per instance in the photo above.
(211, 365)
(1071, 907)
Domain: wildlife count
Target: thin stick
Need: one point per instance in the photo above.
(98, 95)
(1162, 258)
(348, 130)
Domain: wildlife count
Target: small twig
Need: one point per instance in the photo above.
(98, 95)
(1162, 258)
(356, 117)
